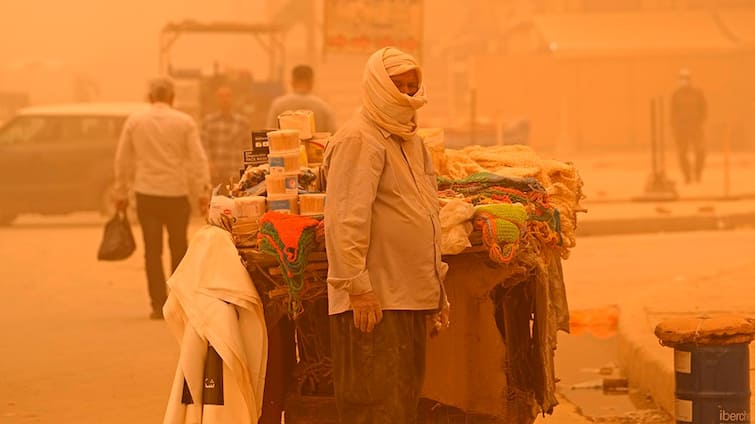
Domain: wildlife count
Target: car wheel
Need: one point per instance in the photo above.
(7, 218)
(107, 204)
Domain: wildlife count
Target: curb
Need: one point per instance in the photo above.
(648, 365)
(625, 226)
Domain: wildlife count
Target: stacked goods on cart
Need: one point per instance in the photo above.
(509, 194)
(291, 180)
(524, 209)
(303, 121)
(510, 177)
(285, 162)
(522, 205)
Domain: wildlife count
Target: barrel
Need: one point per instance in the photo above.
(712, 384)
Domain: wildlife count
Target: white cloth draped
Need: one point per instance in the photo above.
(213, 301)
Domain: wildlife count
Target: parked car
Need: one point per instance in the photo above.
(59, 159)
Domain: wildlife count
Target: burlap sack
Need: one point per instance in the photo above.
(712, 331)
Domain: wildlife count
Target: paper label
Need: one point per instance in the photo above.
(213, 379)
(260, 149)
(281, 206)
(292, 184)
(683, 361)
(684, 410)
(277, 162)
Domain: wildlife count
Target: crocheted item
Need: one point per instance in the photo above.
(488, 178)
(290, 239)
(484, 188)
(502, 226)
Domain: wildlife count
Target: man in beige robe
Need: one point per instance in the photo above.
(383, 242)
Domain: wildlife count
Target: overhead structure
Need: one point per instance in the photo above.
(268, 36)
(195, 89)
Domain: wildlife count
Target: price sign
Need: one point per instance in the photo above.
(260, 149)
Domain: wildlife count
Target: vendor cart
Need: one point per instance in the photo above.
(466, 364)
(504, 236)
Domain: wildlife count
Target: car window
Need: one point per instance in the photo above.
(53, 129)
(92, 128)
(25, 129)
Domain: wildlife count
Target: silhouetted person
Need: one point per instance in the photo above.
(160, 158)
(302, 82)
(225, 136)
(688, 113)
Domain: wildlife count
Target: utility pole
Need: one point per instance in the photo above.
(311, 23)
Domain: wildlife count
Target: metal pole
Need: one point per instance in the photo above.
(653, 133)
(161, 55)
(661, 136)
(311, 34)
(727, 154)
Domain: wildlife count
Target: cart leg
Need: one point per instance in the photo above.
(281, 360)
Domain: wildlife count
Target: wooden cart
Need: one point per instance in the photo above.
(465, 378)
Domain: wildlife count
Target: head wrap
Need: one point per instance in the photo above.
(382, 102)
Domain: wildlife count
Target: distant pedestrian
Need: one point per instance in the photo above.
(302, 83)
(225, 136)
(160, 158)
(688, 113)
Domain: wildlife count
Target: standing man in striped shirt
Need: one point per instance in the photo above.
(225, 135)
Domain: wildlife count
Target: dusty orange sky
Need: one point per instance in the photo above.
(96, 37)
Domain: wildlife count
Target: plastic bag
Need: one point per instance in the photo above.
(222, 212)
(117, 240)
(455, 223)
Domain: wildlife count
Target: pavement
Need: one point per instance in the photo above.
(704, 278)
(649, 366)
(615, 183)
(651, 277)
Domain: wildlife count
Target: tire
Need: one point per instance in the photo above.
(107, 204)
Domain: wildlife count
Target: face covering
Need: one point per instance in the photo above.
(382, 102)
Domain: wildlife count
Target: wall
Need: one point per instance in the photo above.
(599, 102)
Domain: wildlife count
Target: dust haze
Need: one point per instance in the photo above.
(668, 177)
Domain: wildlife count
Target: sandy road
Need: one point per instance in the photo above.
(76, 345)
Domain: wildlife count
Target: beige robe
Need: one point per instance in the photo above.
(382, 229)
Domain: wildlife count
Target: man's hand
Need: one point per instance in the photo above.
(444, 316)
(121, 205)
(442, 319)
(367, 311)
